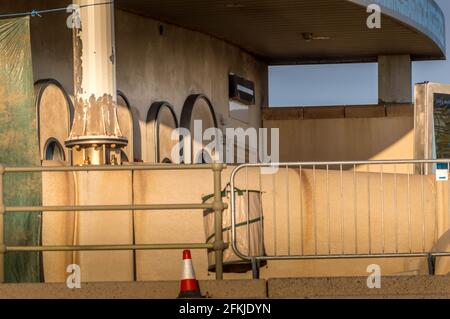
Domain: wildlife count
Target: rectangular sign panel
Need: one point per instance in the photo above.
(242, 90)
(442, 172)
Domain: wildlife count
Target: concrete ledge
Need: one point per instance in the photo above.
(365, 111)
(393, 110)
(299, 288)
(324, 112)
(338, 111)
(284, 113)
(237, 289)
(351, 287)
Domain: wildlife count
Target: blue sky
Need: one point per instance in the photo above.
(345, 83)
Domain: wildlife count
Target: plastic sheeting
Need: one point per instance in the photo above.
(249, 230)
(19, 147)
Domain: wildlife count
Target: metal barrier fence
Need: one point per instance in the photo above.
(338, 210)
(218, 206)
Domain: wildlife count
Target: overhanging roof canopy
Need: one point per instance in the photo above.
(277, 30)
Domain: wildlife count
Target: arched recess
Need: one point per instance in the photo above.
(54, 151)
(54, 111)
(161, 121)
(198, 107)
(126, 124)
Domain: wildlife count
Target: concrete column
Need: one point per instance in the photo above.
(96, 136)
(394, 79)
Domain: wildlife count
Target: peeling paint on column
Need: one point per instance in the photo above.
(96, 121)
(77, 62)
(80, 112)
(96, 116)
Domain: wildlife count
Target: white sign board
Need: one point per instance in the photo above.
(442, 172)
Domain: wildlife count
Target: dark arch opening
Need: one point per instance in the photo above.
(152, 119)
(54, 151)
(186, 118)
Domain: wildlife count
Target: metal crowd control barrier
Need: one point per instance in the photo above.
(218, 206)
(356, 209)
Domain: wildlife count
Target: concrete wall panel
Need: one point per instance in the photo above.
(58, 228)
(386, 208)
(345, 139)
(151, 66)
(179, 62)
(104, 228)
(53, 115)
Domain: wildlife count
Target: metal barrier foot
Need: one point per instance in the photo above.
(431, 264)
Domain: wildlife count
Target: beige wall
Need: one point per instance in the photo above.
(54, 107)
(350, 135)
(51, 41)
(58, 228)
(180, 62)
(390, 212)
(87, 228)
(153, 67)
(150, 67)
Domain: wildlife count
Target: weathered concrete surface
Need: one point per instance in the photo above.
(394, 79)
(342, 139)
(304, 288)
(424, 119)
(53, 107)
(356, 287)
(181, 62)
(251, 289)
(305, 202)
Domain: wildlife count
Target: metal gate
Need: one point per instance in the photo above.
(337, 210)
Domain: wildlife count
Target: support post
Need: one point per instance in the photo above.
(255, 268)
(96, 137)
(431, 264)
(219, 206)
(394, 79)
(2, 238)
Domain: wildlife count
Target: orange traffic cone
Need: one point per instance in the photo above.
(189, 285)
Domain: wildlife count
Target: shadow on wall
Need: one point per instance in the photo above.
(344, 139)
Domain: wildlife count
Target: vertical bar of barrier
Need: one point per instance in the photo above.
(219, 245)
(383, 240)
(436, 227)
(396, 210)
(355, 208)
(315, 209)
(422, 205)
(369, 212)
(342, 210)
(274, 214)
(409, 213)
(302, 229)
(288, 208)
(2, 214)
(328, 209)
(247, 203)
(261, 215)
